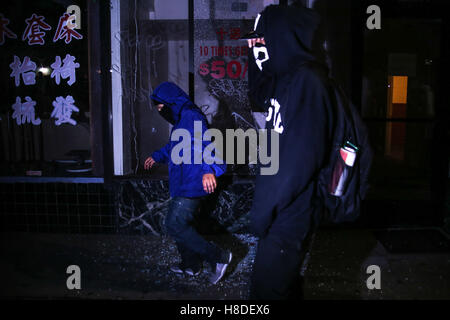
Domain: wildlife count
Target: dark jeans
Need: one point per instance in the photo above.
(193, 248)
(277, 270)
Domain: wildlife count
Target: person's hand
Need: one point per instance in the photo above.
(209, 182)
(252, 42)
(149, 162)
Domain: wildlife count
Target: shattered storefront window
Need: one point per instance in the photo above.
(197, 48)
(149, 43)
(221, 66)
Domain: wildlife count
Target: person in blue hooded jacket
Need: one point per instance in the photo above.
(189, 183)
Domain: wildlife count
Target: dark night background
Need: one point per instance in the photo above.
(80, 211)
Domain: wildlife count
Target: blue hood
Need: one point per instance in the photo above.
(185, 179)
(173, 97)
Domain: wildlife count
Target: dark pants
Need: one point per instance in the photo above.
(277, 270)
(193, 248)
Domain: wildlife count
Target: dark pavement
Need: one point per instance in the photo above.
(414, 264)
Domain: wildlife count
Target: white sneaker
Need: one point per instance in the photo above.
(191, 272)
(220, 269)
(176, 269)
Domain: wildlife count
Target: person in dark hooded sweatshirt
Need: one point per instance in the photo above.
(189, 183)
(288, 82)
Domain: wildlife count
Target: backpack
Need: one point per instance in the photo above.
(350, 136)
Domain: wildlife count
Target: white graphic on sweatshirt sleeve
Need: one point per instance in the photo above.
(275, 116)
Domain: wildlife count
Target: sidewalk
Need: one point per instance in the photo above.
(136, 267)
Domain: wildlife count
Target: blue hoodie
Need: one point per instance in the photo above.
(185, 180)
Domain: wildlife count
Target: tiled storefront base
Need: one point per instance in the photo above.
(138, 207)
(59, 207)
(125, 206)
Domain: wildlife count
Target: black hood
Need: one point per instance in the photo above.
(288, 32)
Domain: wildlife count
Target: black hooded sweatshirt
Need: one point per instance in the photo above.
(293, 79)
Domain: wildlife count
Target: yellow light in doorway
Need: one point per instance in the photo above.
(400, 89)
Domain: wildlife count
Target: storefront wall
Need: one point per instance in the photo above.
(130, 47)
(194, 45)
